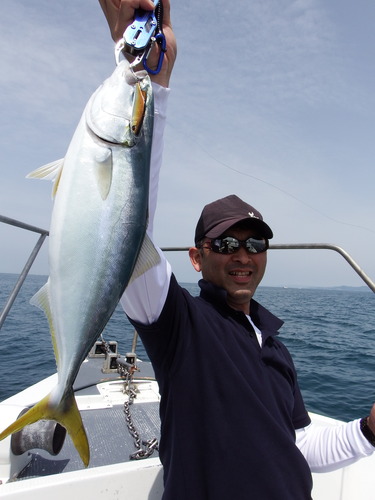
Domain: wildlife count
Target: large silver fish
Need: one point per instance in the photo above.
(97, 237)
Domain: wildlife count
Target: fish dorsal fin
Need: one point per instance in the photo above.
(41, 300)
(50, 172)
(103, 170)
(148, 257)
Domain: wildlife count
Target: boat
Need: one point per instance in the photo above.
(118, 398)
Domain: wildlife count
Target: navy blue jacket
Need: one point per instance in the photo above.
(229, 408)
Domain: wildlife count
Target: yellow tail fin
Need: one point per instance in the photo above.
(66, 414)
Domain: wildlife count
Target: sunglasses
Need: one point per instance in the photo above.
(229, 245)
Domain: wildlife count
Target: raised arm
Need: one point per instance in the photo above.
(144, 298)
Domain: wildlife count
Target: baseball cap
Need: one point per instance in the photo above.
(220, 215)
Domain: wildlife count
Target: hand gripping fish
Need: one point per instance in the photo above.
(98, 240)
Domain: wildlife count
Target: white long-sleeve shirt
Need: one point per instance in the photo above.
(325, 448)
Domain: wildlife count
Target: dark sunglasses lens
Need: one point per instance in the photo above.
(231, 245)
(256, 246)
(225, 245)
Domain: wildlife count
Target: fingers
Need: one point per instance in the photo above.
(120, 13)
(167, 13)
(110, 9)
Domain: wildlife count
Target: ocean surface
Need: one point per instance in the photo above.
(330, 334)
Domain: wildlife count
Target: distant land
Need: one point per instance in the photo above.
(343, 288)
(362, 288)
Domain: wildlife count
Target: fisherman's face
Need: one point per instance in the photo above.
(239, 273)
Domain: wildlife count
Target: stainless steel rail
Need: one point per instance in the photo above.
(43, 235)
(309, 246)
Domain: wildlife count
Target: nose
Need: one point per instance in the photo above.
(242, 256)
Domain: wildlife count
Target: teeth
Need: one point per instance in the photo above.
(238, 273)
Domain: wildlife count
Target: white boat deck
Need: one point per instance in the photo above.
(111, 475)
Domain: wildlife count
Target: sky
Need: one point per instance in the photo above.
(272, 100)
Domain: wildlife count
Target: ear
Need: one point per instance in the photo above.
(196, 258)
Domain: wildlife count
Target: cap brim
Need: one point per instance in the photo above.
(257, 224)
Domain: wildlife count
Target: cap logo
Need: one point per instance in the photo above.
(253, 215)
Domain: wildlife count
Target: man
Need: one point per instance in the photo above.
(233, 421)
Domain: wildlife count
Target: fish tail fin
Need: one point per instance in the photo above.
(66, 414)
(35, 413)
(72, 421)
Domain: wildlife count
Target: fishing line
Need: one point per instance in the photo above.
(286, 193)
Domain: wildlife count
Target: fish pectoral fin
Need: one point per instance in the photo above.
(103, 170)
(65, 413)
(148, 257)
(41, 300)
(50, 172)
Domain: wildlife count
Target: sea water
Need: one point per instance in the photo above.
(330, 334)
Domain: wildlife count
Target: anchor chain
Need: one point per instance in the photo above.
(105, 345)
(144, 448)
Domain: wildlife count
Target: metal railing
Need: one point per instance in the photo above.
(308, 246)
(43, 235)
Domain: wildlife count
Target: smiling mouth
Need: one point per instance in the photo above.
(239, 273)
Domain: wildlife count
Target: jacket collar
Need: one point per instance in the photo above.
(267, 322)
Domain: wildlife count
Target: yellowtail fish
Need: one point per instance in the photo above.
(98, 240)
